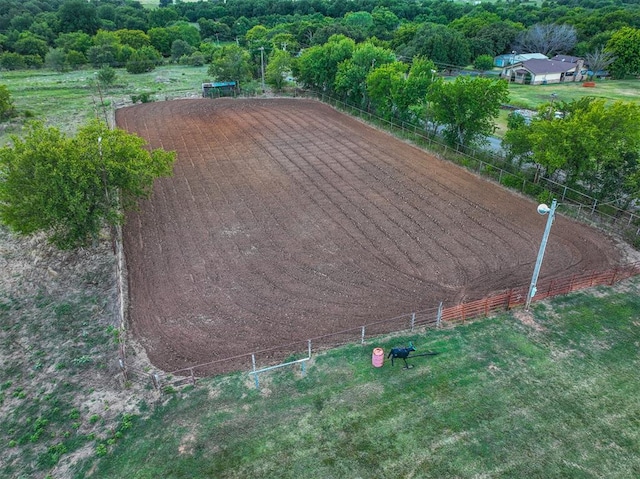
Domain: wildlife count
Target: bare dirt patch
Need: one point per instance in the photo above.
(286, 219)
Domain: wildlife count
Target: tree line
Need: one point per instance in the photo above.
(446, 32)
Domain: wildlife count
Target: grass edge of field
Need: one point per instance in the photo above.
(555, 394)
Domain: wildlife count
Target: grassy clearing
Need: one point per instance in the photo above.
(67, 100)
(501, 400)
(532, 96)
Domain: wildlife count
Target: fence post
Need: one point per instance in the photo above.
(193, 377)
(413, 321)
(155, 380)
(593, 208)
(613, 278)
(255, 375)
(509, 299)
(362, 339)
(439, 317)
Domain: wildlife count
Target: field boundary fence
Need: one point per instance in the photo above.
(496, 167)
(438, 317)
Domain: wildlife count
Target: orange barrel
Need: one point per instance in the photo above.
(377, 359)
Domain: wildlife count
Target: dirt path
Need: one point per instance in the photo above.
(286, 219)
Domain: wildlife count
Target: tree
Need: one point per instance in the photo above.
(29, 44)
(352, 73)
(467, 107)
(7, 109)
(134, 38)
(385, 85)
(56, 59)
(107, 76)
(483, 63)
(180, 48)
(75, 41)
(78, 16)
(438, 43)
(318, 65)
(143, 60)
(598, 61)
(596, 145)
(69, 187)
(625, 45)
(230, 63)
(278, 68)
(548, 39)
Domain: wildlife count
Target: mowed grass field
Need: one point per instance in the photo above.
(554, 397)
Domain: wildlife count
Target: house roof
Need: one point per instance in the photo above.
(523, 57)
(565, 58)
(538, 67)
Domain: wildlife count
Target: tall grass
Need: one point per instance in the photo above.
(67, 100)
(501, 400)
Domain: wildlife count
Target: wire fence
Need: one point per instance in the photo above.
(496, 167)
(442, 316)
(488, 164)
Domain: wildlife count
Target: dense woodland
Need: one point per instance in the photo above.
(447, 32)
(387, 57)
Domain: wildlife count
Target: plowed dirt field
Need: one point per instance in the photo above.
(286, 219)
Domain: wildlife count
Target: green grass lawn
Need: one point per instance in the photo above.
(502, 400)
(531, 96)
(66, 100)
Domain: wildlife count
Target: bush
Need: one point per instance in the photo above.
(12, 61)
(7, 109)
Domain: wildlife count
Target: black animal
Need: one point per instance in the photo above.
(402, 353)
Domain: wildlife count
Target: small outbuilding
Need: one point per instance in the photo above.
(219, 89)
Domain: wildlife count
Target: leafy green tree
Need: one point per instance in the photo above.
(74, 41)
(385, 85)
(162, 38)
(161, 17)
(483, 63)
(75, 59)
(7, 109)
(29, 44)
(107, 76)
(625, 45)
(69, 187)
(352, 73)
(385, 23)
(56, 59)
(318, 65)
(467, 107)
(278, 67)
(12, 61)
(143, 60)
(594, 144)
(134, 38)
(230, 63)
(214, 30)
(438, 43)
(180, 48)
(78, 16)
(100, 55)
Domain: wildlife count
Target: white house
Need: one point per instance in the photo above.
(540, 72)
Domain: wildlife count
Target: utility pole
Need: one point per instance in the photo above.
(543, 210)
(262, 66)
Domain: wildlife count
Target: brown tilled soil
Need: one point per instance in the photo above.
(286, 219)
